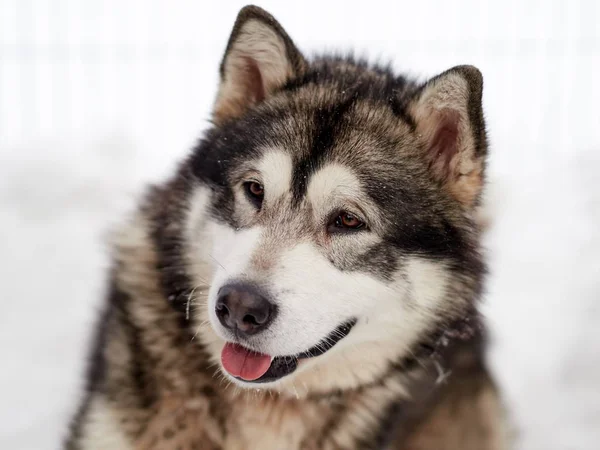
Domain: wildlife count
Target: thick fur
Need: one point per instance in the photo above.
(322, 136)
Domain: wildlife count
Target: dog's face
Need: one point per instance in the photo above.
(334, 209)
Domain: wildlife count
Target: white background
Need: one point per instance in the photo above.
(99, 97)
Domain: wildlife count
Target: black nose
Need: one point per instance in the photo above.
(242, 307)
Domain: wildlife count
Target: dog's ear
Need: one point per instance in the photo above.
(260, 57)
(448, 115)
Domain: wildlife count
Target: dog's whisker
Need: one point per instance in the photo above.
(215, 260)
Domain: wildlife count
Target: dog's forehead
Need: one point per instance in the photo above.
(331, 181)
(348, 140)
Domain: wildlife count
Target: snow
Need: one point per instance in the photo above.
(98, 98)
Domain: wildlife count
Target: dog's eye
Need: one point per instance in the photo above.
(346, 221)
(255, 192)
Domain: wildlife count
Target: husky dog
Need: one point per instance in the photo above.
(309, 277)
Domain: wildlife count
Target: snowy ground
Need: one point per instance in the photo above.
(99, 97)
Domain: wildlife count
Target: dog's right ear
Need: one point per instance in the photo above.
(260, 57)
(448, 114)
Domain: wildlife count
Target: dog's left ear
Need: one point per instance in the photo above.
(260, 57)
(449, 120)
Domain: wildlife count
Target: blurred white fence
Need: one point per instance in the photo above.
(148, 68)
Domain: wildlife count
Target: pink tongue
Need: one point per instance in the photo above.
(243, 363)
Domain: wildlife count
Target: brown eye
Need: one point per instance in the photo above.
(255, 192)
(256, 189)
(347, 221)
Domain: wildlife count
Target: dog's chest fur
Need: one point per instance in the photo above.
(463, 416)
(233, 422)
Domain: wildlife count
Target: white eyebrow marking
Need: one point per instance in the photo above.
(276, 169)
(332, 182)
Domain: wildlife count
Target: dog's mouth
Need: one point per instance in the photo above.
(253, 367)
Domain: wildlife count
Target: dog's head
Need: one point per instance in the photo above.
(334, 205)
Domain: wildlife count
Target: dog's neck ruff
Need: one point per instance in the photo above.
(446, 339)
(455, 346)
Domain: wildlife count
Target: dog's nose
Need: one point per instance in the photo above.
(242, 307)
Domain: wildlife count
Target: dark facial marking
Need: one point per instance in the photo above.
(327, 123)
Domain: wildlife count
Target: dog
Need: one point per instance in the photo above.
(309, 278)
